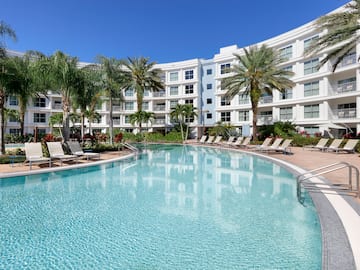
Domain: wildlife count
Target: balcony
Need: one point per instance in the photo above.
(344, 113)
(159, 94)
(159, 108)
(57, 106)
(265, 100)
(350, 59)
(265, 119)
(116, 121)
(159, 121)
(346, 87)
(116, 108)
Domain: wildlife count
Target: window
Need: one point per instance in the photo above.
(127, 119)
(13, 119)
(311, 130)
(311, 89)
(116, 120)
(189, 89)
(41, 131)
(266, 116)
(39, 118)
(209, 71)
(97, 121)
(173, 103)
(225, 68)
(189, 101)
(189, 74)
(287, 94)
(39, 102)
(129, 92)
(98, 106)
(311, 111)
(174, 90)
(225, 117)
(145, 105)
(349, 59)
(224, 101)
(208, 101)
(288, 69)
(311, 66)
(129, 106)
(174, 76)
(347, 110)
(209, 116)
(286, 53)
(14, 131)
(13, 101)
(346, 85)
(310, 41)
(286, 113)
(146, 93)
(244, 99)
(209, 86)
(243, 115)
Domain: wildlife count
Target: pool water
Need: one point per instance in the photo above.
(173, 207)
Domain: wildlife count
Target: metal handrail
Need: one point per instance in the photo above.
(131, 147)
(301, 179)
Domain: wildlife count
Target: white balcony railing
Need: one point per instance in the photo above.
(159, 108)
(344, 113)
(346, 87)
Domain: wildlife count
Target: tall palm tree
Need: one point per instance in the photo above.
(140, 75)
(5, 31)
(88, 93)
(91, 116)
(56, 119)
(7, 78)
(112, 80)
(182, 114)
(342, 34)
(257, 73)
(63, 76)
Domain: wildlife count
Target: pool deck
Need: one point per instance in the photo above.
(340, 215)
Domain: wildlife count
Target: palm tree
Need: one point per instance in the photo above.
(56, 119)
(91, 116)
(140, 75)
(141, 117)
(111, 82)
(63, 75)
(257, 73)
(182, 114)
(5, 31)
(87, 94)
(341, 36)
(7, 78)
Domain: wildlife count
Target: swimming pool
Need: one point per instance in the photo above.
(175, 207)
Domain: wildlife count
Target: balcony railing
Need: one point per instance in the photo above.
(159, 94)
(344, 113)
(268, 99)
(159, 121)
(266, 119)
(348, 60)
(116, 121)
(346, 87)
(160, 108)
(116, 108)
(57, 106)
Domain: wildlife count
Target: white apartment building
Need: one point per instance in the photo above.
(320, 100)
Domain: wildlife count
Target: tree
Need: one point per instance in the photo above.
(62, 74)
(5, 31)
(222, 129)
(87, 94)
(112, 80)
(341, 34)
(182, 114)
(256, 74)
(140, 75)
(56, 120)
(92, 116)
(141, 117)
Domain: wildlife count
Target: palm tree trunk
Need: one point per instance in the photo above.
(254, 121)
(2, 122)
(82, 126)
(66, 120)
(111, 122)
(22, 120)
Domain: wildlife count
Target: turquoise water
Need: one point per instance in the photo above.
(172, 208)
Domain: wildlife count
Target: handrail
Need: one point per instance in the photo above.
(301, 179)
(131, 147)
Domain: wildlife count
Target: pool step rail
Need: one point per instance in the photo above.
(306, 181)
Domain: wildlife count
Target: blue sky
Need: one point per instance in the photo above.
(163, 30)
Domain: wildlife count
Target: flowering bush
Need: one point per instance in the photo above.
(48, 138)
(118, 138)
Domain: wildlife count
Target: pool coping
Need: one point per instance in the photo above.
(339, 216)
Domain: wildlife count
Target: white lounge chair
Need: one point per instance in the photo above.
(229, 141)
(203, 139)
(334, 145)
(210, 139)
(265, 144)
(348, 147)
(76, 150)
(245, 143)
(238, 141)
(217, 139)
(274, 146)
(284, 147)
(321, 145)
(57, 152)
(34, 154)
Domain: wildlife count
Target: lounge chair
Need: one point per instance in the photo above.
(229, 141)
(76, 150)
(210, 139)
(217, 139)
(274, 146)
(238, 141)
(203, 139)
(334, 145)
(34, 154)
(265, 144)
(348, 147)
(284, 147)
(57, 152)
(321, 145)
(245, 143)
